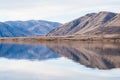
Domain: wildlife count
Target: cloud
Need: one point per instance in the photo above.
(54, 10)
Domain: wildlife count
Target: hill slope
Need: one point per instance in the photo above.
(94, 23)
(26, 28)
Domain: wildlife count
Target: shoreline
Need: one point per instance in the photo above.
(104, 38)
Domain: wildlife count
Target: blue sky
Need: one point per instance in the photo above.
(53, 10)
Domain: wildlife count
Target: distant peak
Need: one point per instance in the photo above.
(106, 16)
(106, 12)
(90, 14)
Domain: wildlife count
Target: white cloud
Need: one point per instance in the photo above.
(54, 10)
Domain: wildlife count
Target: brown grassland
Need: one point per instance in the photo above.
(83, 38)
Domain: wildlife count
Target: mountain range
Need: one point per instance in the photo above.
(91, 24)
(26, 28)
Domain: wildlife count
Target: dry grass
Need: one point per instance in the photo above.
(105, 38)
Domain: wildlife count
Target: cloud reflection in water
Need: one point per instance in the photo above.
(55, 69)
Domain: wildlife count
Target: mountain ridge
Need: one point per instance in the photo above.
(26, 28)
(93, 23)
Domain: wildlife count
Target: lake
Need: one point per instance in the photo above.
(60, 61)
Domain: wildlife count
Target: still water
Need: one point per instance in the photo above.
(60, 61)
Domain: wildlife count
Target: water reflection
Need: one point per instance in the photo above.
(94, 55)
(23, 51)
(55, 69)
(60, 61)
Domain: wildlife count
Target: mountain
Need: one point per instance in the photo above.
(93, 23)
(26, 28)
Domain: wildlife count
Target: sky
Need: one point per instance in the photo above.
(53, 10)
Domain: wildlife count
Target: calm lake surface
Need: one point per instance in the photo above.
(60, 61)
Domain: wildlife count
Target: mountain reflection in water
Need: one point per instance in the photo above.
(60, 61)
(23, 51)
(93, 55)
